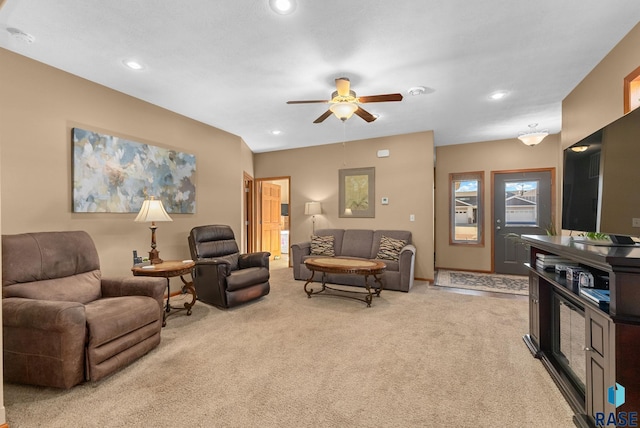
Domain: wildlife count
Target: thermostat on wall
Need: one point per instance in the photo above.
(383, 153)
(384, 201)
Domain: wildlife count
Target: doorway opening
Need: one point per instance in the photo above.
(273, 218)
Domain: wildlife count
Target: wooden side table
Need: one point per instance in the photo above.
(169, 269)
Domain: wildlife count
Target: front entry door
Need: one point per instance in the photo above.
(522, 206)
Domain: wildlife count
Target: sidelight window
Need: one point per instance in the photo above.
(467, 208)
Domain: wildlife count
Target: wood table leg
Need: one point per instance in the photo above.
(310, 290)
(188, 288)
(368, 298)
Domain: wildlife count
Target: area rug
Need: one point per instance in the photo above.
(511, 284)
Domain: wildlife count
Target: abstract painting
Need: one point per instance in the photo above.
(114, 175)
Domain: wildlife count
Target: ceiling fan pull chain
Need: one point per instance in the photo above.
(344, 143)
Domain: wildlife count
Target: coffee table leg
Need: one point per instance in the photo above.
(379, 289)
(368, 297)
(310, 290)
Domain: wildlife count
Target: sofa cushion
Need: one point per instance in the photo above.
(390, 248)
(322, 245)
(357, 243)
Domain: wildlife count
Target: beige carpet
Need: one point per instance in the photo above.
(496, 283)
(427, 358)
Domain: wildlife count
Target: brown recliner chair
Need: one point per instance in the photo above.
(222, 276)
(62, 322)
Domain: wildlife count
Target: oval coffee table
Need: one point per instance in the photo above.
(345, 265)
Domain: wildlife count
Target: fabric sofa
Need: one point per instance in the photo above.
(63, 323)
(360, 243)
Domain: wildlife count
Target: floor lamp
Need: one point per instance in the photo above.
(313, 209)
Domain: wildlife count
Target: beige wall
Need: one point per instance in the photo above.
(246, 159)
(405, 177)
(598, 99)
(39, 107)
(503, 155)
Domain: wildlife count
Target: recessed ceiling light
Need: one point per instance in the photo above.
(276, 132)
(133, 64)
(21, 35)
(283, 7)
(498, 95)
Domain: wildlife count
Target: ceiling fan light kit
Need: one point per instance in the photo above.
(344, 102)
(343, 110)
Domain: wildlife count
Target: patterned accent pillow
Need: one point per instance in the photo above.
(322, 246)
(390, 248)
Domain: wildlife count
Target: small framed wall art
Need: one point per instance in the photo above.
(357, 192)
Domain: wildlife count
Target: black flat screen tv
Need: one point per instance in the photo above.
(601, 181)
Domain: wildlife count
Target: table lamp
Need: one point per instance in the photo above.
(152, 211)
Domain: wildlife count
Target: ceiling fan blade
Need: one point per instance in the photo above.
(308, 102)
(380, 98)
(325, 115)
(343, 85)
(365, 114)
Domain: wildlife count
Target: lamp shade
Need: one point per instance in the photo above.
(343, 110)
(312, 208)
(152, 210)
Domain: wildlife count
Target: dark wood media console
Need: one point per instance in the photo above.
(610, 348)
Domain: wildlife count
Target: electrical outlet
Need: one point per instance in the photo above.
(635, 222)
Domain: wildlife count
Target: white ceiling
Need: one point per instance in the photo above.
(234, 64)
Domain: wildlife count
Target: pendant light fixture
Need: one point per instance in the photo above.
(533, 137)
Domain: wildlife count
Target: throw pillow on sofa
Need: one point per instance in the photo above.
(322, 246)
(390, 248)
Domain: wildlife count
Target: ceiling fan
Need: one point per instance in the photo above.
(344, 102)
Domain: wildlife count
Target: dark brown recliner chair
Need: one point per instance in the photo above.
(222, 276)
(62, 322)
